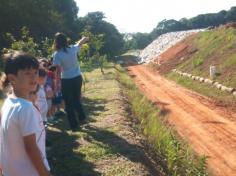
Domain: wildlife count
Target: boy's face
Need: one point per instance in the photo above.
(42, 80)
(25, 81)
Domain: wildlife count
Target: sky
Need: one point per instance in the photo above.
(144, 15)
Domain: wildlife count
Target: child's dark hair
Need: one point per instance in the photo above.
(43, 62)
(42, 72)
(13, 62)
(52, 68)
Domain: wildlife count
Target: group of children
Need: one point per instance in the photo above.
(52, 88)
(34, 96)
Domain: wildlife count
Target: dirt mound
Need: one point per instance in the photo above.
(163, 43)
(175, 55)
(230, 25)
(196, 53)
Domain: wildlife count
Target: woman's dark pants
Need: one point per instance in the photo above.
(71, 92)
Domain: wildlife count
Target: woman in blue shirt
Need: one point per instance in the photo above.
(65, 58)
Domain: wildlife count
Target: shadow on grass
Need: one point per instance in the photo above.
(89, 68)
(108, 76)
(63, 156)
(92, 67)
(120, 146)
(129, 60)
(164, 111)
(93, 108)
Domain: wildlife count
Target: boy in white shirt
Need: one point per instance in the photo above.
(41, 101)
(22, 152)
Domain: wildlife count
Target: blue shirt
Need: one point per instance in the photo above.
(68, 61)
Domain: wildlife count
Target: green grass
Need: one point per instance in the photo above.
(197, 62)
(177, 157)
(202, 88)
(229, 62)
(94, 150)
(211, 45)
(215, 47)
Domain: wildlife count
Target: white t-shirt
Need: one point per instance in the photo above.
(41, 103)
(19, 118)
(68, 61)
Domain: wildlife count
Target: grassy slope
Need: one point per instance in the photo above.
(216, 47)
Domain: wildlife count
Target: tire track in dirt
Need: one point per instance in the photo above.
(203, 125)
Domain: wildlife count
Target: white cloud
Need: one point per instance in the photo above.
(143, 15)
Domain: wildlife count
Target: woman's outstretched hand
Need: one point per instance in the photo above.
(86, 39)
(83, 40)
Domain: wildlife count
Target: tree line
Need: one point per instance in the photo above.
(141, 40)
(41, 19)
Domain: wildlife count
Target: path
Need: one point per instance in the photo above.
(210, 129)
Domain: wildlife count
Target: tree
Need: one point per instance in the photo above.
(42, 17)
(26, 43)
(231, 14)
(113, 40)
(200, 21)
(91, 52)
(137, 41)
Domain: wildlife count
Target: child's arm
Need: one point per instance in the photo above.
(54, 84)
(1, 172)
(34, 154)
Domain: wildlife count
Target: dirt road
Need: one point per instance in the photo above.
(211, 130)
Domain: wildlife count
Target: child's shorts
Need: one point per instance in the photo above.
(57, 100)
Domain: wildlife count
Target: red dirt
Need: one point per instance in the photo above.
(209, 128)
(175, 55)
(230, 25)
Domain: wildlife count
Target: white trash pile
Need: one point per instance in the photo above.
(162, 43)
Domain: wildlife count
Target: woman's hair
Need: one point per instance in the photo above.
(60, 41)
(13, 62)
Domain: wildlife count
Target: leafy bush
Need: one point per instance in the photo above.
(90, 53)
(27, 44)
